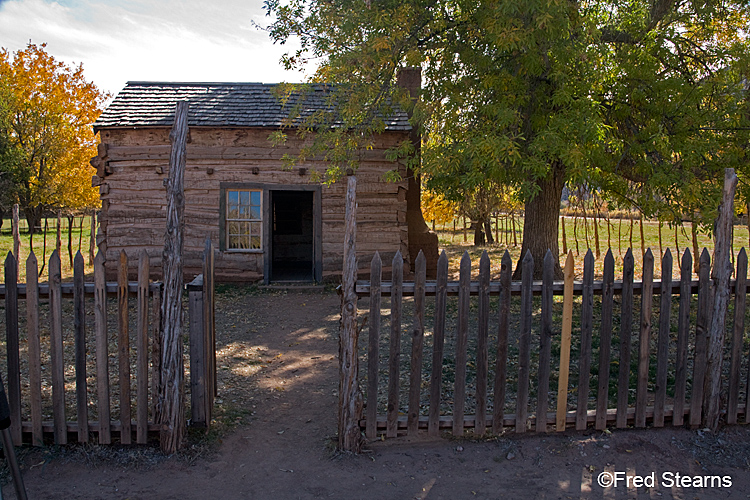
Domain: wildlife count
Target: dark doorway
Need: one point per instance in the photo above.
(292, 236)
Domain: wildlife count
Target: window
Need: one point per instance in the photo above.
(243, 219)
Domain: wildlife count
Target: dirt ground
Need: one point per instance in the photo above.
(278, 380)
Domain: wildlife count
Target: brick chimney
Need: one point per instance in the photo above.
(420, 236)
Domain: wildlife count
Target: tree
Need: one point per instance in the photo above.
(639, 99)
(436, 208)
(48, 110)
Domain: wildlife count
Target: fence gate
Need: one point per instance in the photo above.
(203, 385)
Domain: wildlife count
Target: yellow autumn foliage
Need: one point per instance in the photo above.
(49, 111)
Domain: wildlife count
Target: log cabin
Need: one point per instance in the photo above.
(268, 222)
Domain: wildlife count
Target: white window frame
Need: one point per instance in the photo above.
(228, 220)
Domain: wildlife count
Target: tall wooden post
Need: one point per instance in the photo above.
(350, 398)
(172, 390)
(720, 275)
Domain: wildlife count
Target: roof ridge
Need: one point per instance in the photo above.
(208, 84)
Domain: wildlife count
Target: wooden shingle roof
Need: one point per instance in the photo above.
(152, 104)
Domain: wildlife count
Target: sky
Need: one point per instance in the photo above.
(149, 40)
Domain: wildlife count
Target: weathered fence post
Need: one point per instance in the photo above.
(720, 275)
(172, 390)
(35, 364)
(394, 354)
(417, 341)
(545, 343)
(79, 322)
(198, 362)
(56, 349)
(644, 340)
(350, 398)
(433, 425)
(123, 349)
(702, 322)
(373, 356)
(740, 299)
(102, 350)
(141, 342)
(524, 343)
(626, 334)
(565, 337)
(683, 325)
(11, 325)
(587, 325)
(462, 336)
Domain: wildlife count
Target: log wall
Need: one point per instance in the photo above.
(132, 166)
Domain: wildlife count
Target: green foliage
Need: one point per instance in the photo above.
(645, 101)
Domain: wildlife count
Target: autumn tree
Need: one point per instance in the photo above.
(436, 208)
(639, 99)
(48, 110)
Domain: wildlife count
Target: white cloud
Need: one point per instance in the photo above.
(167, 40)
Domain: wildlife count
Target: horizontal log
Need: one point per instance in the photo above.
(222, 152)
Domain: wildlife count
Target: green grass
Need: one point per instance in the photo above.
(43, 254)
(619, 238)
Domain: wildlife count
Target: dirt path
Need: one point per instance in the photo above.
(277, 358)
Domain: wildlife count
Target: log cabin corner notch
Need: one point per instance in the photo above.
(269, 223)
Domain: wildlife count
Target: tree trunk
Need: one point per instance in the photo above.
(488, 231)
(631, 231)
(540, 224)
(694, 233)
(643, 241)
(33, 217)
(71, 220)
(597, 245)
(478, 233)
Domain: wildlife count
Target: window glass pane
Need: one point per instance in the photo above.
(255, 198)
(243, 219)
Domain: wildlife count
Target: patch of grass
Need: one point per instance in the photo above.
(80, 239)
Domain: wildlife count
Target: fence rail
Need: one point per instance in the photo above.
(626, 370)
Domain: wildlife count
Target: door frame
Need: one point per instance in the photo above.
(317, 271)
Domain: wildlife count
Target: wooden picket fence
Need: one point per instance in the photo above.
(50, 381)
(444, 370)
